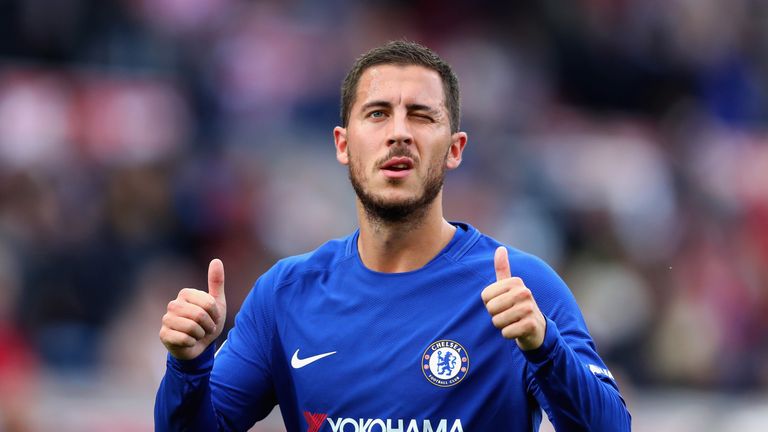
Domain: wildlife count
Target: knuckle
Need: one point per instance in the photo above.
(510, 298)
(491, 306)
(179, 340)
(210, 304)
(200, 316)
(491, 295)
(505, 304)
(498, 321)
(196, 331)
(176, 305)
(204, 321)
(526, 309)
(528, 326)
(484, 295)
(186, 327)
(521, 295)
(498, 304)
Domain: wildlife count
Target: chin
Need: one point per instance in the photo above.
(396, 201)
(397, 198)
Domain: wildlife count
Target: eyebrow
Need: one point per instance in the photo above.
(388, 105)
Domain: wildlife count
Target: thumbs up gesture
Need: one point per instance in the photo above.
(512, 306)
(195, 318)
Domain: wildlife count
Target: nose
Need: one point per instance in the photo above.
(400, 132)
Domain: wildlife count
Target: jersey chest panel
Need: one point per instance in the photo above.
(403, 348)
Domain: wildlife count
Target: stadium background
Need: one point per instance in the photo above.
(624, 141)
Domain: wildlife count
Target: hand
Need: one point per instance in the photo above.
(512, 306)
(195, 318)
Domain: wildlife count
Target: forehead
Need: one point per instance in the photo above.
(400, 84)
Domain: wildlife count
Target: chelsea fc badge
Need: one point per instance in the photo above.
(445, 363)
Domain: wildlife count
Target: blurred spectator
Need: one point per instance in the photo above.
(19, 365)
(623, 141)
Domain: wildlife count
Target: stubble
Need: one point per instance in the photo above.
(410, 211)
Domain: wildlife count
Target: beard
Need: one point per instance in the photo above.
(398, 211)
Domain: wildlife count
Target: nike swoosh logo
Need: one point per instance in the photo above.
(298, 363)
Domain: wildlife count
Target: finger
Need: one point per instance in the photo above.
(200, 299)
(522, 328)
(494, 290)
(175, 338)
(501, 263)
(500, 303)
(512, 331)
(514, 293)
(194, 313)
(216, 279)
(184, 325)
(511, 316)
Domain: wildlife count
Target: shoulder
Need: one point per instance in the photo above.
(294, 270)
(522, 264)
(325, 258)
(549, 289)
(552, 294)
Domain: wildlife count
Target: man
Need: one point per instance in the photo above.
(409, 324)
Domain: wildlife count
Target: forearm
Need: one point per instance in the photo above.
(183, 399)
(574, 397)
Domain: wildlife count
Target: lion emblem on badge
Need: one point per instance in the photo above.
(445, 363)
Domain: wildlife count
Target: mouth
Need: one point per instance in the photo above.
(397, 167)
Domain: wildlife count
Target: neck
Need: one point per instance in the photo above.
(396, 247)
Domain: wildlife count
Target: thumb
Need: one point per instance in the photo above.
(501, 263)
(216, 279)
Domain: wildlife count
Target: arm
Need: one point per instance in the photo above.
(230, 390)
(183, 401)
(564, 374)
(576, 391)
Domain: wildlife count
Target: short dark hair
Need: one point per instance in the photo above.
(404, 53)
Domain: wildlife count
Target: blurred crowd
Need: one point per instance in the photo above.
(623, 141)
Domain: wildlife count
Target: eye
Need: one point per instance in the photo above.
(376, 114)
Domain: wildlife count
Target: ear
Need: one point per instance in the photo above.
(458, 141)
(340, 140)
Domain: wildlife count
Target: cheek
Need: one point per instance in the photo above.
(359, 154)
(355, 161)
(440, 154)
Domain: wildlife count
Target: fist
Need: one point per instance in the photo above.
(512, 307)
(195, 318)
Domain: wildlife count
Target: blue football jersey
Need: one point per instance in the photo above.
(342, 348)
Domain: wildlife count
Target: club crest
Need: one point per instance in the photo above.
(445, 363)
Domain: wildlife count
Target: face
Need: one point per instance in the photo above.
(398, 141)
